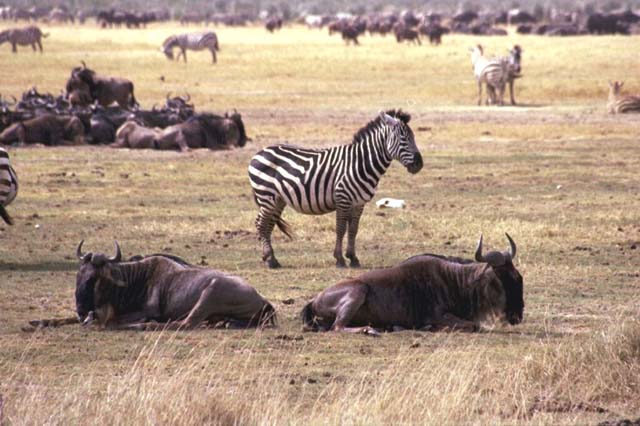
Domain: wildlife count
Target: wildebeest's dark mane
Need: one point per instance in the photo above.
(399, 114)
(176, 259)
(452, 259)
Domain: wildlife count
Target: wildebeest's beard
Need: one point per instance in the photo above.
(512, 284)
(85, 289)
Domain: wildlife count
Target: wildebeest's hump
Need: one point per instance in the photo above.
(452, 259)
(139, 257)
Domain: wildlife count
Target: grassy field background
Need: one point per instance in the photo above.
(557, 173)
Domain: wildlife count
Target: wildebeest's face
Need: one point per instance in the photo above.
(401, 143)
(510, 278)
(512, 284)
(97, 274)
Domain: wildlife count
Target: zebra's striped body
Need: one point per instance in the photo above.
(318, 181)
(492, 72)
(30, 35)
(513, 65)
(619, 104)
(8, 185)
(192, 41)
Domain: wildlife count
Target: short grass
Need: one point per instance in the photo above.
(557, 173)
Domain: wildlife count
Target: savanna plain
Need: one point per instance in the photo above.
(555, 172)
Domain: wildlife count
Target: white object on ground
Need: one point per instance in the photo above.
(391, 203)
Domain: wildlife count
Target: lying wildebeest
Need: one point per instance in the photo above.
(47, 129)
(30, 35)
(163, 291)
(205, 131)
(85, 85)
(201, 131)
(134, 135)
(424, 292)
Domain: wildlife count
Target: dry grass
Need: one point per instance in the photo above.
(557, 174)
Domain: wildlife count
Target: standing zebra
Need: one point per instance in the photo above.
(318, 181)
(619, 104)
(193, 41)
(23, 37)
(8, 185)
(492, 72)
(513, 64)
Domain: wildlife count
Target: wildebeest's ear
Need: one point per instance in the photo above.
(388, 120)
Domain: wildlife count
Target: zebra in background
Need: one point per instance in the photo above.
(23, 37)
(8, 185)
(318, 181)
(619, 104)
(492, 72)
(513, 64)
(193, 41)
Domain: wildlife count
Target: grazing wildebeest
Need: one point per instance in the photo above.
(85, 84)
(163, 291)
(350, 34)
(403, 33)
(8, 185)
(318, 181)
(621, 104)
(192, 41)
(434, 31)
(47, 129)
(30, 35)
(273, 23)
(427, 292)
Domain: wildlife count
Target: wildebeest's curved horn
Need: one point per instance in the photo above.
(79, 251)
(118, 255)
(188, 97)
(83, 65)
(479, 256)
(168, 94)
(235, 111)
(15, 101)
(512, 244)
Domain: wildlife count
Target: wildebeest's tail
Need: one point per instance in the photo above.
(5, 216)
(308, 318)
(268, 315)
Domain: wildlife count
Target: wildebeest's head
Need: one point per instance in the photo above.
(512, 284)
(401, 143)
(237, 119)
(98, 274)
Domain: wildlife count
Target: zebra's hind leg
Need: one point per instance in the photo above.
(266, 220)
(353, 223)
(342, 221)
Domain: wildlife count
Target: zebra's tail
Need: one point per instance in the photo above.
(5, 216)
(308, 318)
(284, 227)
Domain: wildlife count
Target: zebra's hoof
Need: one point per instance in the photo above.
(355, 263)
(341, 263)
(273, 264)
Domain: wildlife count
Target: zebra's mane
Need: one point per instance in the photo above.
(375, 123)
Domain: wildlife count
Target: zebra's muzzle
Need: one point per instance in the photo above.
(416, 166)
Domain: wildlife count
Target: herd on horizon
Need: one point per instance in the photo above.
(161, 291)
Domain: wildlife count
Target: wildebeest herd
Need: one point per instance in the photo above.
(158, 291)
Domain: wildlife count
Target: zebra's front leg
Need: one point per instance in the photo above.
(354, 222)
(479, 93)
(342, 220)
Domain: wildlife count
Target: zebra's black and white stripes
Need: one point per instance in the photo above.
(8, 185)
(192, 41)
(513, 64)
(318, 181)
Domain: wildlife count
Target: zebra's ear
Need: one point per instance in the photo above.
(387, 119)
